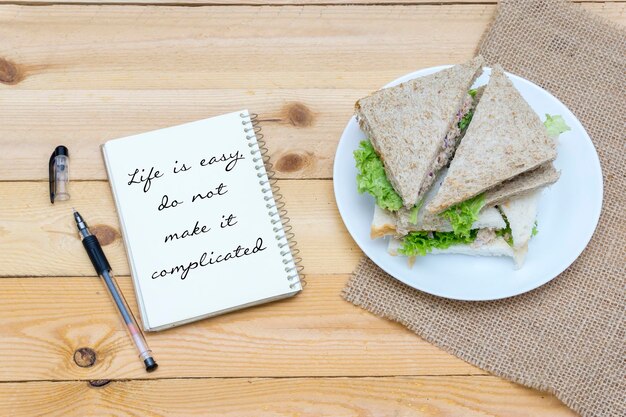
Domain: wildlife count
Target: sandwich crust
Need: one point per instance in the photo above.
(523, 184)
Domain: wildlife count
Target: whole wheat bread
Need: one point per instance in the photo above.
(408, 123)
(504, 139)
(522, 184)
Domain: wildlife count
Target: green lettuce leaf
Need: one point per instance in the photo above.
(555, 125)
(461, 216)
(421, 243)
(535, 230)
(465, 121)
(414, 211)
(371, 178)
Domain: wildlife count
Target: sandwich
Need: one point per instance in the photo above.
(484, 206)
(434, 234)
(505, 139)
(506, 154)
(503, 230)
(413, 130)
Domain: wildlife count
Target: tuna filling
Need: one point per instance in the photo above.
(450, 142)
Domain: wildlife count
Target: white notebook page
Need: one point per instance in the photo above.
(198, 233)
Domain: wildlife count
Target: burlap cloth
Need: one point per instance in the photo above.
(567, 337)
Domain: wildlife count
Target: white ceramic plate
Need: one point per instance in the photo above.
(568, 213)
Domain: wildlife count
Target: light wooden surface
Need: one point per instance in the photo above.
(82, 74)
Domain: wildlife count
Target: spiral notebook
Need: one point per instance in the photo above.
(204, 230)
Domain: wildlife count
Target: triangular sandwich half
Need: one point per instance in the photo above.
(414, 127)
(505, 139)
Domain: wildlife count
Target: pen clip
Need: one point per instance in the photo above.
(52, 175)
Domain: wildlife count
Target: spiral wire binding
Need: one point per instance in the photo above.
(286, 241)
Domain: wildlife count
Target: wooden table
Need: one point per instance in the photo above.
(80, 74)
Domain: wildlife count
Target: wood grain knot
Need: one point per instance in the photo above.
(9, 73)
(299, 115)
(105, 234)
(96, 383)
(85, 357)
(293, 161)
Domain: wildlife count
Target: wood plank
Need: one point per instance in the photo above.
(33, 229)
(45, 321)
(319, 397)
(138, 47)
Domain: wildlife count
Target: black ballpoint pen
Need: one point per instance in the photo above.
(99, 261)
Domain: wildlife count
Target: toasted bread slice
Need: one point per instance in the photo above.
(505, 139)
(407, 124)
